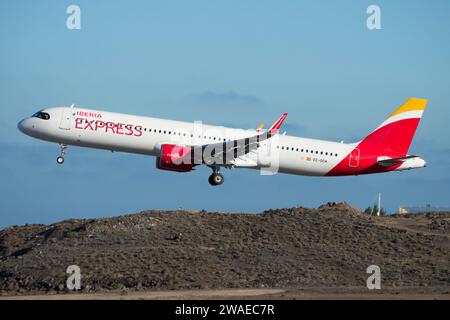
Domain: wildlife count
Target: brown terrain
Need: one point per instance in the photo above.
(292, 253)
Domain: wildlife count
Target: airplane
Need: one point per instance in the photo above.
(182, 146)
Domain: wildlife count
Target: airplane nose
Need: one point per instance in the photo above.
(24, 126)
(21, 126)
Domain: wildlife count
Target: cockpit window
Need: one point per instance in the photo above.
(42, 115)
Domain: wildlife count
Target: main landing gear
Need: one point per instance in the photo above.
(216, 178)
(60, 159)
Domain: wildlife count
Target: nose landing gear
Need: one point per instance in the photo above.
(60, 159)
(216, 178)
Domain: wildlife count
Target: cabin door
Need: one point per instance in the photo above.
(66, 119)
(353, 161)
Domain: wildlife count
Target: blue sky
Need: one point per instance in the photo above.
(236, 63)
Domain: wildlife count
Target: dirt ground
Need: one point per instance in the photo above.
(292, 253)
(243, 294)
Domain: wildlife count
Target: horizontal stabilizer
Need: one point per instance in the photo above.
(388, 162)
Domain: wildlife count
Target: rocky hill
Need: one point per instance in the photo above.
(161, 250)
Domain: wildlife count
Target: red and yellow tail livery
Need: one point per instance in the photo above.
(391, 140)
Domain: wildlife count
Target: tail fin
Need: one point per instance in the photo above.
(394, 135)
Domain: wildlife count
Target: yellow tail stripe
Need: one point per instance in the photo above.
(410, 105)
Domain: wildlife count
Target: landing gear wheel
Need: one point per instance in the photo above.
(60, 159)
(216, 179)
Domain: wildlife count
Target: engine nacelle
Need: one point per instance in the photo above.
(175, 158)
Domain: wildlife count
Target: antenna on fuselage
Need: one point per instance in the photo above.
(72, 105)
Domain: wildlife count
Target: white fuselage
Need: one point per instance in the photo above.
(145, 135)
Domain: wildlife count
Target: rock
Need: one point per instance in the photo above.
(439, 224)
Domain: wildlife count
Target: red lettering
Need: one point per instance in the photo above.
(120, 128)
(99, 124)
(138, 131)
(129, 129)
(110, 125)
(89, 114)
(78, 122)
(116, 128)
(88, 125)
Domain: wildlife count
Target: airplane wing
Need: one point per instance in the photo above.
(222, 153)
(388, 162)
